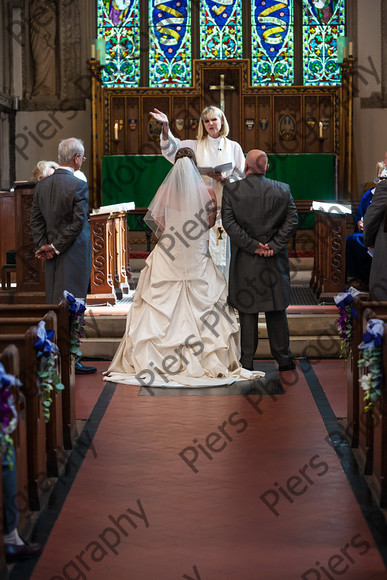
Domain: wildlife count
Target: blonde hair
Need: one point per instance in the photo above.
(205, 114)
(379, 167)
(42, 169)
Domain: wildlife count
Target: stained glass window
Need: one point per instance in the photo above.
(272, 42)
(221, 31)
(119, 25)
(167, 43)
(324, 22)
(170, 43)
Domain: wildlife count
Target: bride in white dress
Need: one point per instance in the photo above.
(180, 330)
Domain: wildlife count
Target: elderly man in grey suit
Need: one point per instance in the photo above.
(60, 228)
(260, 216)
(375, 236)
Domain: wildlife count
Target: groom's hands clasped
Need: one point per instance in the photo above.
(264, 250)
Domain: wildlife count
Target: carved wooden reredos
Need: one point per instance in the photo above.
(275, 119)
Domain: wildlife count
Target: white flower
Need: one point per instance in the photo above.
(365, 382)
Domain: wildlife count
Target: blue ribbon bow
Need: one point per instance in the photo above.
(75, 306)
(369, 337)
(44, 344)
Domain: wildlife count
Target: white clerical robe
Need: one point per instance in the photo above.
(209, 153)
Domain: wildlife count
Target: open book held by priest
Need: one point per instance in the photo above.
(217, 169)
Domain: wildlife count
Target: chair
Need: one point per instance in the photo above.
(8, 268)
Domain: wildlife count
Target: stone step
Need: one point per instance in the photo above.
(113, 326)
(301, 346)
(312, 333)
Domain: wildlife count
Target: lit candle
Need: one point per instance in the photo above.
(93, 50)
(350, 49)
(98, 55)
(320, 129)
(344, 52)
(116, 131)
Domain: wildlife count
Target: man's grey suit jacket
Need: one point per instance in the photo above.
(257, 209)
(59, 216)
(376, 236)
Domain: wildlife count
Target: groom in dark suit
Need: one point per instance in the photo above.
(260, 216)
(60, 228)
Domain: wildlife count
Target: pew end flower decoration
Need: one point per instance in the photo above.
(77, 323)
(8, 414)
(371, 361)
(48, 378)
(343, 301)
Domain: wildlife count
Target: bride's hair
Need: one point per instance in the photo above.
(186, 152)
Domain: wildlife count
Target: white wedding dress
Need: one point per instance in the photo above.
(180, 330)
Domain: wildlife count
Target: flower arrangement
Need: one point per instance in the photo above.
(77, 323)
(48, 378)
(343, 301)
(371, 382)
(8, 414)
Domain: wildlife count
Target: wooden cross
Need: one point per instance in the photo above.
(222, 87)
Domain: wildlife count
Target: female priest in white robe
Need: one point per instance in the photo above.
(212, 148)
(180, 330)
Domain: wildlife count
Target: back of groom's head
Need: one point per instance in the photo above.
(256, 162)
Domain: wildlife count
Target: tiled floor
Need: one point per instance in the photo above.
(208, 487)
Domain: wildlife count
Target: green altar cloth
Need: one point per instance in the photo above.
(137, 177)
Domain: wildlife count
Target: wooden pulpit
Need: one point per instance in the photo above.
(328, 275)
(110, 270)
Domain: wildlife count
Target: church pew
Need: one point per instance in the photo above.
(3, 564)
(67, 365)
(36, 428)
(10, 360)
(378, 480)
(54, 428)
(365, 455)
(354, 419)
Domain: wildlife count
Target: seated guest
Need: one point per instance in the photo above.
(358, 261)
(43, 169)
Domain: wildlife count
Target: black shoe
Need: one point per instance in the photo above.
(289, 367)
(247, 366)
(82, 370)
(13, 552)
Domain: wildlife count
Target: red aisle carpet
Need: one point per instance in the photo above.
(261, 494)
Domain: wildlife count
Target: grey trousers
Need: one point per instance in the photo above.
(278, 332)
